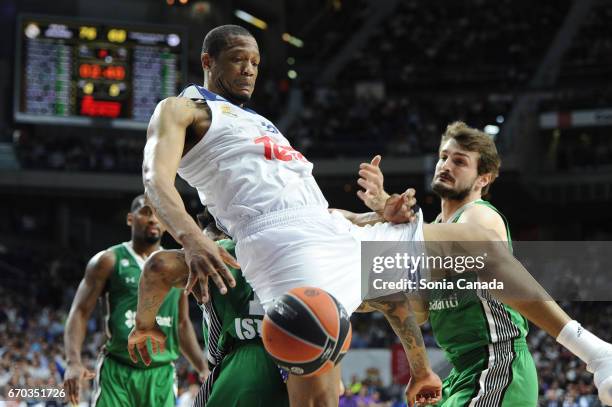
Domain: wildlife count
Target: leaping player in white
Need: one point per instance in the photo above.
(262, 192)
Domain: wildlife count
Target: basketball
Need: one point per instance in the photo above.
(307, 332)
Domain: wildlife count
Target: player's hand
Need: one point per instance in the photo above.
(424, 391)
(207, 260)
(400, 208)
(137, 341)
(203, 374)
(371, 180)
(73, 376)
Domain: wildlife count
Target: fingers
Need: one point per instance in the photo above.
(375, 178)
(376, 160)
(409, 193)
(369, 171)
(367, 185)
(362, 195)
(408, 199)
(191, 281)
(132, 353)
(144, 352)
(88, 375)
(203, 285)
(76, 389)
(72, 391)
(428, 397)
(222, 274)
(158, 345)
(229, 260)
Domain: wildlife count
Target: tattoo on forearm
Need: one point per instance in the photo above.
(407, 329)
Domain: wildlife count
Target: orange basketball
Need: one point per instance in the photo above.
(307, 332)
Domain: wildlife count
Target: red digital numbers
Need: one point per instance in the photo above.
(275, 151)
(93, 71)
(97, 108)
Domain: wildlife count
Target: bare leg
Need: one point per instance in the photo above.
(317, 391)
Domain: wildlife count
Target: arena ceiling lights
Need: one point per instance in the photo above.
(295, 41)
(243, 15)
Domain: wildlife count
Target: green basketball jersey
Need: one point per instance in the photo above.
(464, 320)
(121, 302)
(231, 319)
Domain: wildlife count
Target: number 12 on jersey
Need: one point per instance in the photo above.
(274, 151)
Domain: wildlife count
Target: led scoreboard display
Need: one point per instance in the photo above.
(94, 73)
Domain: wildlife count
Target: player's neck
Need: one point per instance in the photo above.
(221, 92)
(144, 249)
(451, 206)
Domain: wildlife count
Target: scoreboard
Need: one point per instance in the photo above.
(93, 73)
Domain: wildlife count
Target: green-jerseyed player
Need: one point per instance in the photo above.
(482, 338)
(114, 275)
(242, 373)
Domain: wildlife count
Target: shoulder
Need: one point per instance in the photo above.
(486, 217)
(103, 262)
(181, 110)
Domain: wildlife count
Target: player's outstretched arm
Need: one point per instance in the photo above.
(162, 271)
(98, 270)
(425, 386)
(166, 136)
(188, 341)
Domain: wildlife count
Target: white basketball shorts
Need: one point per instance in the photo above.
(311, 247)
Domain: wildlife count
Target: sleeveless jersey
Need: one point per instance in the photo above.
(121, 300)
(464, 320)
(244, 167)
(231, 319)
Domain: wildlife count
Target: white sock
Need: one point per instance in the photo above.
(582, 343)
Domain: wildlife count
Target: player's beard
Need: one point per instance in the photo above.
(152, 239)
(452, 194)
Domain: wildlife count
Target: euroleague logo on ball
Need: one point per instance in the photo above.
(297, 370)
(311, 292)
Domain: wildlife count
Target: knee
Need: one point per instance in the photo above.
(325, 399)
(313, 392)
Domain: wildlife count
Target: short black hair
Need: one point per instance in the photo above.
(138, 203)
(216, 39)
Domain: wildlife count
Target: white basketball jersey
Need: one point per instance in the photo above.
(244, 167)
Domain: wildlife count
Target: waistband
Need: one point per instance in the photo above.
(140, 366)
(284, 217)
(466, 360)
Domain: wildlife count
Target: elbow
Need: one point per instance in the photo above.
(155, 268)
(150, 181)
(154, 184)
(421, 317)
